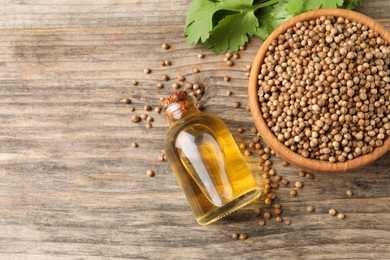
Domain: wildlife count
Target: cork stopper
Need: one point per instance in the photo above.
(175, 97)
(177, 104)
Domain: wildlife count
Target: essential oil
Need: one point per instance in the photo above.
(206, 161)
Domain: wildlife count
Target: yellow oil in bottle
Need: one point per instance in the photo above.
(206, 162)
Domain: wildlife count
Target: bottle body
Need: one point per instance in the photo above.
(209, 166)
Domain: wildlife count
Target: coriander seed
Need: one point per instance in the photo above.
(293, 193)
(229, 93)
(165, 77)
(298, 185)
(349, 193)
(310, 208)
(165, 46)
(287, 222)
(134, 82)
(243, 236)
(147, 70)
(226, 79)
(175, 85)
(195, 70)
(150, 173)
(147, 108)
(148, 125)
(200, 55)
(181, 78)
(134, 145)
(261, 222)
(229, 63)
(136, 119)
(126, 101)
(332, 212)
(341, 216)
(237, 104)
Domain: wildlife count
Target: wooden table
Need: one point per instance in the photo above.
(71, 186)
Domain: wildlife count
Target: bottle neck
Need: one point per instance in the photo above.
(181, 109)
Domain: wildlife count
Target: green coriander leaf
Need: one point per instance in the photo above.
(235, 5)
(317, 4)
(295, 6)
(271, 17)
(199, 20)
(352, 4)
(231, 32)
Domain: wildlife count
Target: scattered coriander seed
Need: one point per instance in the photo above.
(279, 219)
(144, 116)
(237, 104)
(267, 201)
(248, 67)
(226, 79)
(284, 181)
(242, 48)
(196, 86)
(229, 93)
(236, 56)
(243, 236)
(242, 145)
(195, 70)
(298, 185)
(157, 110)
(228, 55)
(134, 82)
(161, 157)
(293, 193)
(257, 211)
(287, 222)
(134, 145)
(247, 152)
(150, 173)
(267, 215)
(136, 119)
(147, 108)
(332, 212)
(188, 85)
(341, 216)
(165, 77)
(309, 176)
(199, 91)
(310, 208)
(235, 236)
(247, 74)
(277, 178)
(302, 173)
(277, 206)
(149, 119)
(199, 106)
(148, 125)
(261, 222)
(254, 130)
(159, 85)
(349, 193)
(229, 63)
(200, 55)
(167, 63)
(272, 172)
(277, 211)
(274, 185)
(240, 130)
(126, 101)
(147, 70)
(132, 109)
(162, 63)
(181, 78)
(284, 163)
(175, 85)
(165, 46)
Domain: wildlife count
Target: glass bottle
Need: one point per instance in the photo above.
(206, 161)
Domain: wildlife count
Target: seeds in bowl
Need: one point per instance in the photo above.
(324, 89)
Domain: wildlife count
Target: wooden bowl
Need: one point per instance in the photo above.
(269, 138)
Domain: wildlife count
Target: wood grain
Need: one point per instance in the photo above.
(71, 187)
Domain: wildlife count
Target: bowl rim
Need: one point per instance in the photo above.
(267, 135)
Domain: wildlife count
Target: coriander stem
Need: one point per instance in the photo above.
(268, 3)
